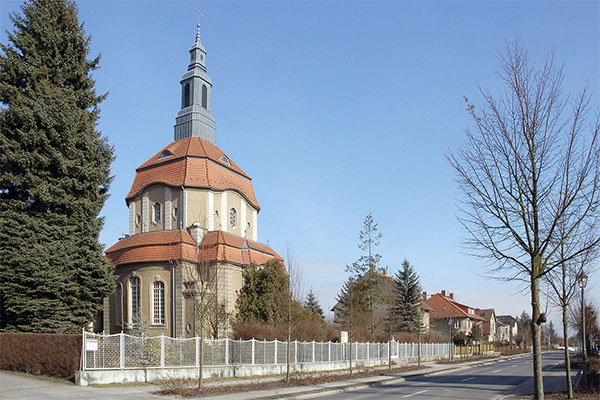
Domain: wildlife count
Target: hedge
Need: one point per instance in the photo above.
(41, 353)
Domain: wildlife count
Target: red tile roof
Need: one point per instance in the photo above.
(178, 245)
(445, 307)
(194, 162)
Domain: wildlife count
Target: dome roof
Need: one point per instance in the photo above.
(193, 162)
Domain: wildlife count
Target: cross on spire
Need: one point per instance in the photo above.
(200, 15)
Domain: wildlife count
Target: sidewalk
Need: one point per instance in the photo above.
(20, 386)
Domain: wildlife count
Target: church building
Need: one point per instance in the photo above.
(190, 207)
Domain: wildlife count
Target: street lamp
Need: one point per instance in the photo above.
(582, 280)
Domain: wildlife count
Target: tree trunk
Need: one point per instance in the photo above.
(565, 321)
(200, 367)
(538, 382)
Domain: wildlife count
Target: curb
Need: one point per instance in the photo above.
(309, 394)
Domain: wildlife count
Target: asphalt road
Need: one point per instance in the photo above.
(485, 382)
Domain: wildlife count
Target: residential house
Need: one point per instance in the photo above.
(489, 327)
(508, 328)
(448, 314)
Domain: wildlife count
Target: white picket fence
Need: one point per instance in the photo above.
(122, 351)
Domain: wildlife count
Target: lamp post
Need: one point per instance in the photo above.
(582, 280)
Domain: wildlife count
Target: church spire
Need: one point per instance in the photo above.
(194, 118)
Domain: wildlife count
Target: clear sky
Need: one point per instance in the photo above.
(337, 110)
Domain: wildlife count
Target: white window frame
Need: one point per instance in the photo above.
(153, 303)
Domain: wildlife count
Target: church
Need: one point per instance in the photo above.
(191, 208)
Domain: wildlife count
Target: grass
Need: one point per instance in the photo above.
(188, 388)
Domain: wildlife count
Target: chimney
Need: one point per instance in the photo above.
(451, 296)
(444, 293)
(424, 295)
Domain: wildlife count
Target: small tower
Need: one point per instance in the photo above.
(194, 118)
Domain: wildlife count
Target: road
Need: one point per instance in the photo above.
(485, 382)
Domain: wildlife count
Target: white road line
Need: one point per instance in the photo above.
(412, 394)
(468, 379)
(514, 365)
(498, 370)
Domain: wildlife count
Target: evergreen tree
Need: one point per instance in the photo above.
(312, 304)
(409, 299)
(352, 305)
(264, 296)
(366, 270)
(54, 174)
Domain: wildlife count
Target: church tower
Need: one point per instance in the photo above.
(194, 118)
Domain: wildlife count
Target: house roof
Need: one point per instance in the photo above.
(506, 319)
(445, 307)
(486, 313)
(193, 162)
(178, 245)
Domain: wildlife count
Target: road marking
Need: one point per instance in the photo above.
(412, 394)
(468, 379)
(498, 370)
(514, 365)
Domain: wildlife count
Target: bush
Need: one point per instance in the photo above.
(306, 331)
(41, 353)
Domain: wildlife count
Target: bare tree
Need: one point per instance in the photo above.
(201, 280)
(294, 295)
(528, 167)
(562, 284)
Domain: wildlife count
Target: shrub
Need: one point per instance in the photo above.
(41, 353)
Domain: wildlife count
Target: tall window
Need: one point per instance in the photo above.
(233, 218)
(134, 283)
(159, 302)
(217, 220)
(185, 102)
(119, 305)
(157, 212)
(204, 96)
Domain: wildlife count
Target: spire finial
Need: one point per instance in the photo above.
(200, 15)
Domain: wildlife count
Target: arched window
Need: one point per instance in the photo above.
(233, 218)
(119, 305)
(186, 101)
(156, 213)
(217, 220)
(204, 96)
(134, 284)
(159, 302)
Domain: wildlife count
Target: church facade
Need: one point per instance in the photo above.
(193, 227)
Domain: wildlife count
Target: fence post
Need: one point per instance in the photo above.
(252, 351)
(275, 351)
(313, 350)
(162, 350)
(197, 351)
(226, 351)
(329, 351)
(122, 350)
(295, 352)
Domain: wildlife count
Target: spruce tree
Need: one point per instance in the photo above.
(312, 304)
(54, 174)
(409, 299)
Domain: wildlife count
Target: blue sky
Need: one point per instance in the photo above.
(337, 110)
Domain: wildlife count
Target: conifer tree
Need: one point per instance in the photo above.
(366, 270)
(312, 304)
(54, 174)
(409, 299)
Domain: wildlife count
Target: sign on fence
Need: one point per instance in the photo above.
(91, 344)
(344, 337)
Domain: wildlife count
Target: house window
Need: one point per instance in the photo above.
(134, 284)
(156, 213)
(233, 218)
(456, 324)
(119, 305)
(165, 154)
(204, 96)
(248, 229)
(217, 220)
(159, 303)
(175, 212)
(138, 219)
